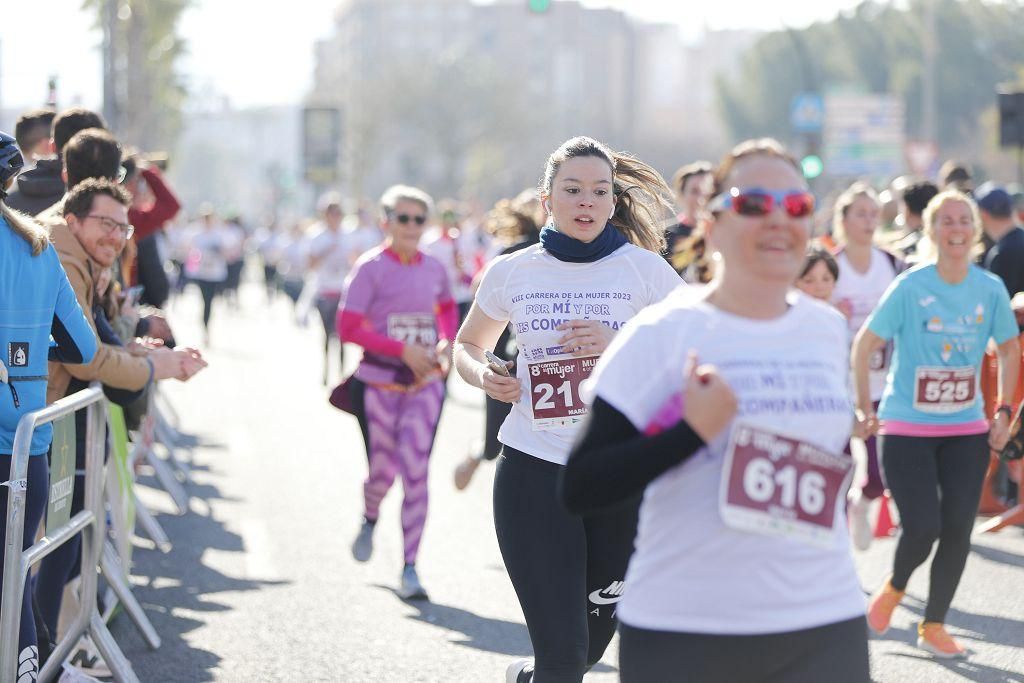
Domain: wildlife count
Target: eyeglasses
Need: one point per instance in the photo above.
(756, 201)
(405, 218)
(110, 225)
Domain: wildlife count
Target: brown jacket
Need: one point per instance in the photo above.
(113, 365)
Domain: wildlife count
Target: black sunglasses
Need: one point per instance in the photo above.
(404, 218)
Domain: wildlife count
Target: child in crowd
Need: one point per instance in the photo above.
(819, 274)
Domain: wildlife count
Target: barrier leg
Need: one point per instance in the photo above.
(151, 527)
(112, 655)
(110, 566)
(168, 481)
(168, 441)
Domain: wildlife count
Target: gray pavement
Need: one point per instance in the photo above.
(261, 586)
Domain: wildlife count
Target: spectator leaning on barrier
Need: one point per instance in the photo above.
(38, 189)
(37, 302)
(90, 237)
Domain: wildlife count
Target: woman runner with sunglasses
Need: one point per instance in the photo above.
(933, 435)
(597, 265)
(727, 406)
(397, 305)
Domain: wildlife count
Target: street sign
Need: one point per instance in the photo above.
(864, 135)
(321, 142)
(807, 113)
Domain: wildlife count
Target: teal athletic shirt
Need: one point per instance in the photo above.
(940, 333)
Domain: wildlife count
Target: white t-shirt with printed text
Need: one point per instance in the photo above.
(690, 571)
(536, 292)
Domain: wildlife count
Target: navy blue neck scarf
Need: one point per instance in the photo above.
(565, 248)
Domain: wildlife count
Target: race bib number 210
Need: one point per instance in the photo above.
(555, 391)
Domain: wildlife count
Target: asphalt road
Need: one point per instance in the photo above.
(260, 584)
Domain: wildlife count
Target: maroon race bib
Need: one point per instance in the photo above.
(778, 486)
(944, 390)
(555, 391)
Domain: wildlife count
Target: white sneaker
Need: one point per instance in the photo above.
(520, 671)
(88, 660)
(70, 674)
(860, 526)
(411, 588)
(362, 546)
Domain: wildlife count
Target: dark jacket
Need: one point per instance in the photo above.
(38, 188)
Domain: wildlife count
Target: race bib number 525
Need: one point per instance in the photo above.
(555, 391)
(775, 485)
(944, 390)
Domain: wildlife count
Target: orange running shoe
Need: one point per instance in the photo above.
(933, 637)
(881, 607)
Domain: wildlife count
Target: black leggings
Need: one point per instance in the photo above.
(936, 484)
(209, 291)
(835, 652)
(567, 570)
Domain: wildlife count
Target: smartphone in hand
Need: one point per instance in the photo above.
(496, 364)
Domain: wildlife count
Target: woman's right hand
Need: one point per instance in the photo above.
(420, 359)
(708, 402)
(865, 423)
(500, 387)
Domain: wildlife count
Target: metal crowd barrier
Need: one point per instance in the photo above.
(91, 522)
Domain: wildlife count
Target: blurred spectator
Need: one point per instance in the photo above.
(207, 264)
(153, 204)
(235, 258)
(956, 175)
(32, 131)
(90, 153)
(291, 267)
(1005, 257)
(692, 187)
(332, 253)
(447, 244)
(40, 188)
(915, 199)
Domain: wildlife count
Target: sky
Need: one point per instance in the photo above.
(268, 59)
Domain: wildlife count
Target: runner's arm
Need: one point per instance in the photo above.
(612, 461)
(478, 333)
(865, 344)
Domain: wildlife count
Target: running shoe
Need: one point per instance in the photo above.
(883, 604)
(411, 588)
(465, 470)
(88, 660)
(860, 527)
(519, 672)
(933, 637)
(362, 547)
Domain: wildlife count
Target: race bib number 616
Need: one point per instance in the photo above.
(775, 485)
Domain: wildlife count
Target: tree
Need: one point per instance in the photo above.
(878, 47)
(143, 93)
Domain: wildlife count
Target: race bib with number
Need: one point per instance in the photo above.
(413, 328)
(944, 390)
(555, 391)
(778, 486)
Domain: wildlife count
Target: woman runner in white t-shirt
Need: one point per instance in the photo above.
(865, 272)
(727, 406)
(597, 265)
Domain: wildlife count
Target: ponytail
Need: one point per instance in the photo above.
(26, 228)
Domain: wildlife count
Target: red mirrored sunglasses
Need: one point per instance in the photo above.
(759, 202)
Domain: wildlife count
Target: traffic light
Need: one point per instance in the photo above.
(540, 6)
(812, 166)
